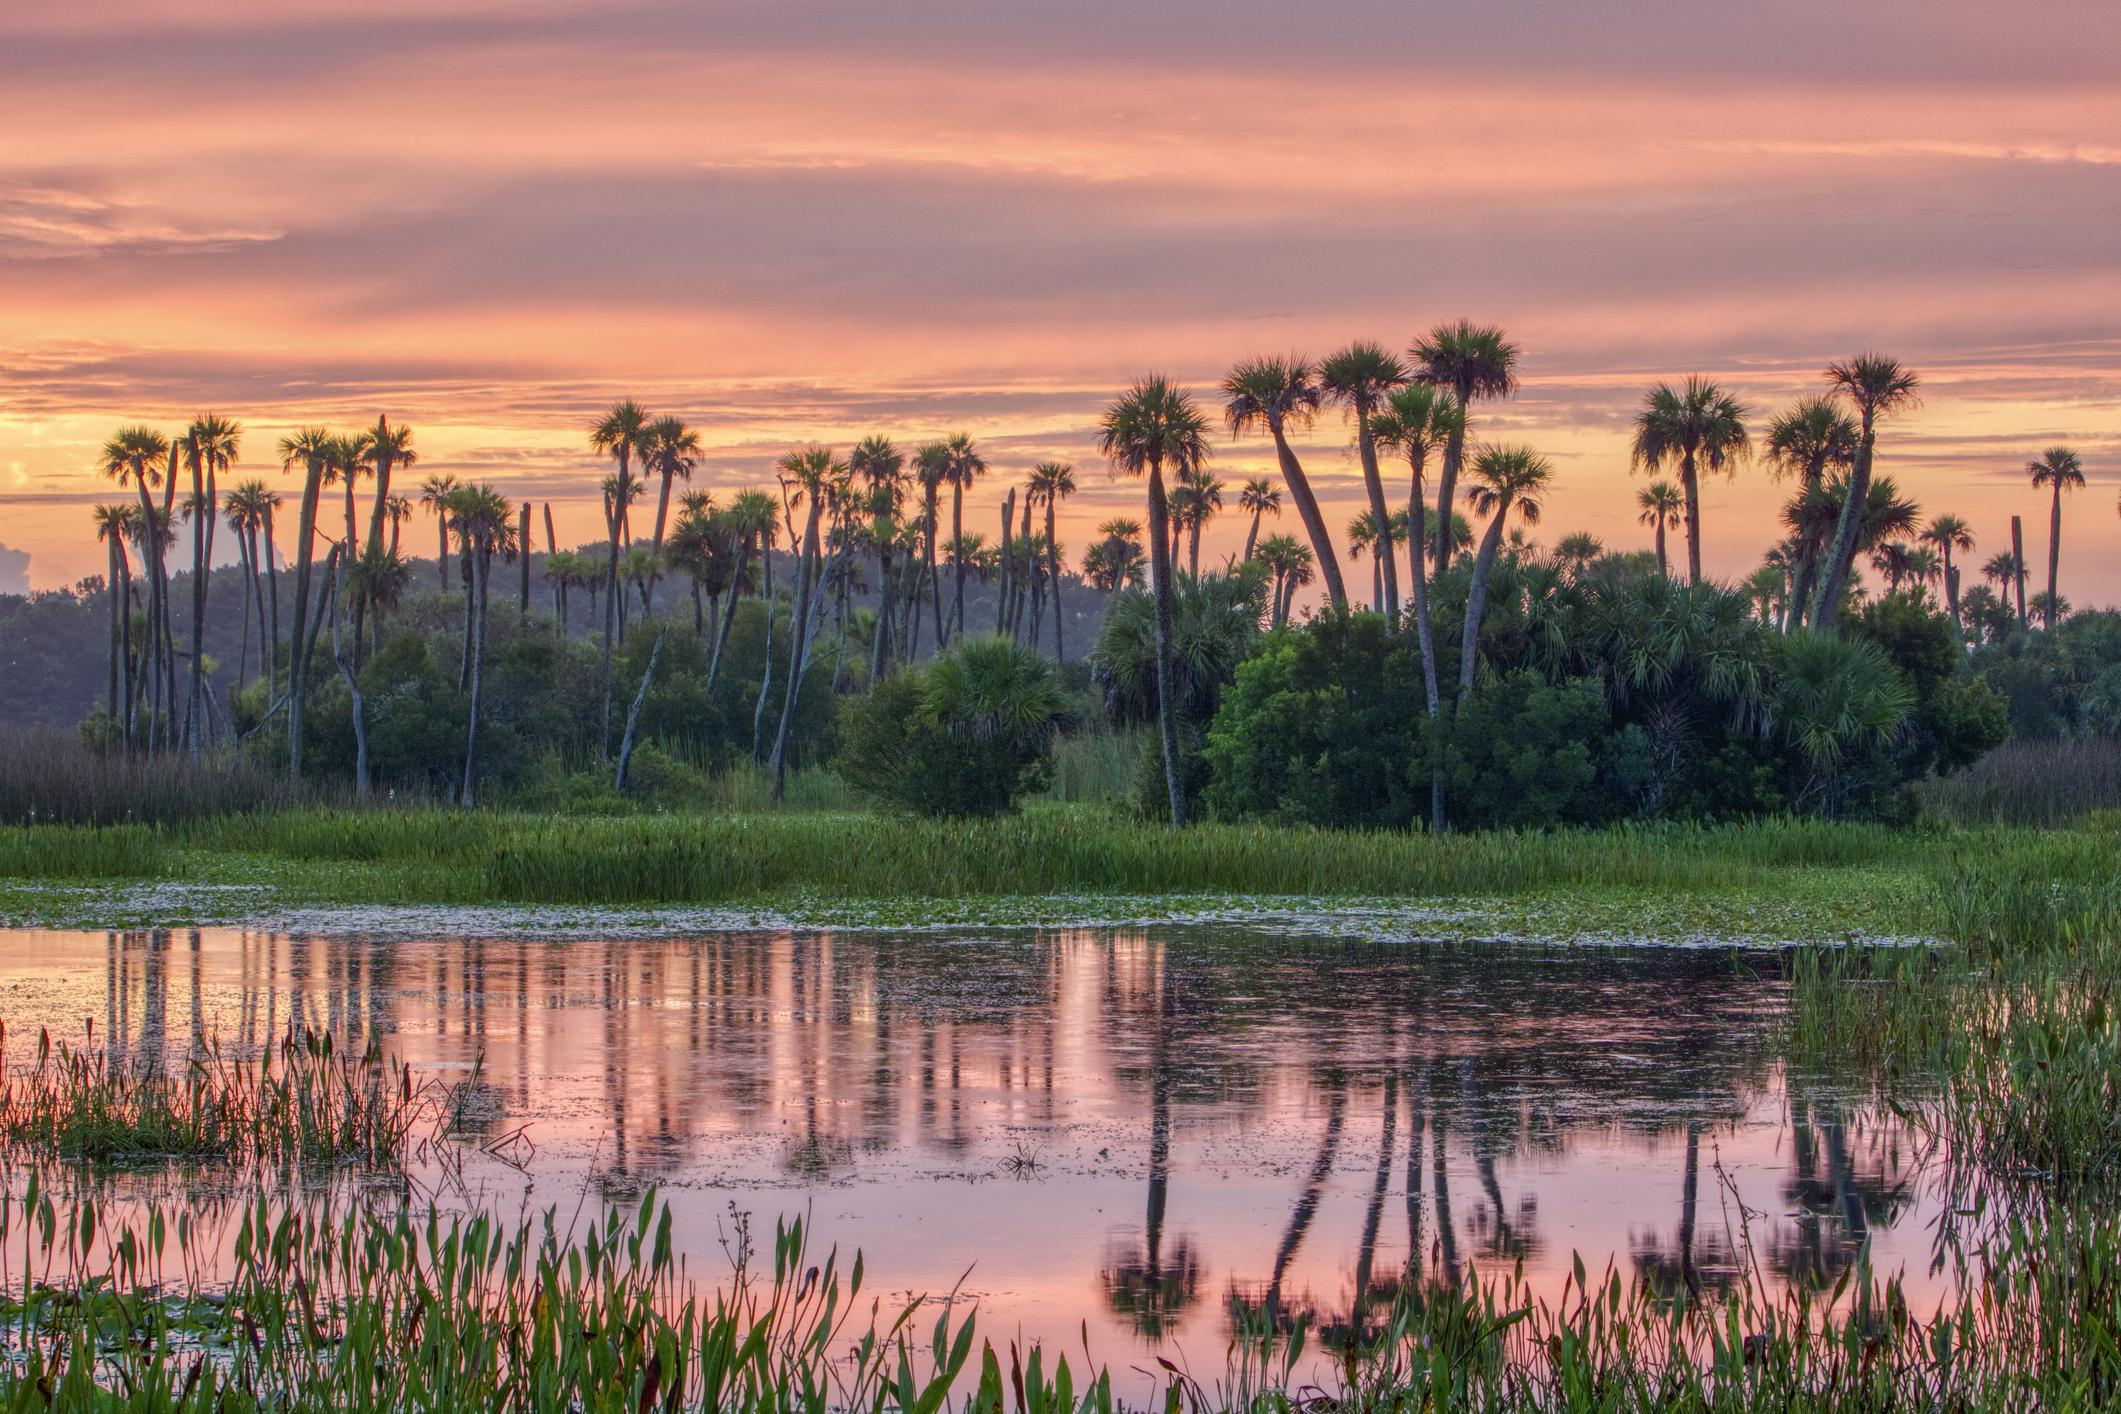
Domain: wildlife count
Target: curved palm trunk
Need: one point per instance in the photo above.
(1166, 705)
(243, 653)
(728, 620)
(1373, 1219)
(375, 516)
(611, 600)
(1690, 484)
(1307, 510)
(2054, 551)
(1454, 454)
(1252, 535)
(1846, 532)
(306, 529)
(1060, 645)
(1477, 600)
(1387, 560)
(272, 594)
(1307, 1204)
(957, 558)
(1425, 636)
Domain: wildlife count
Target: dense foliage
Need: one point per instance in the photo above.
(968, 734)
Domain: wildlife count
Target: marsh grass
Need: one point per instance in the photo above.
(2028, 782)
(49, 777)
(300, 1101)
(82, 852)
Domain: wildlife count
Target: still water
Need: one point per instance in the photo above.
(1127, 1128)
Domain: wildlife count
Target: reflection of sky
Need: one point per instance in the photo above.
(987, 1108)
(824, 218)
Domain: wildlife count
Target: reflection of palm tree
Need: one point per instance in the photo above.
(1688, 1199)
(1386, 1145)
(1150, 1290)
(1307, 1202)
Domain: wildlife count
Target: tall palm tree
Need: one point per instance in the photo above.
(1289, 561)
(210, 447)
(313, 447)
(1504, 478)
(137, 454)
(112, 523)
(1477, 364)
(1663, 508)
(1277, 393)
(1148, 426)
(1204, 500)
(434, 494)
(485, 522)
(1875, 385)
(1260, 497)
(1695, 425)
(385, 448)
(882, 468)
(619, 434)
(1052, 483)
(931, 467)
(671, 449)
(245, 510)
(348, 464)
(1811, 439)
(2058, 467)
(1417, 421)
(1948, 533)
(818, 477)
(966, 466)
(752, 518)
(1358, 378)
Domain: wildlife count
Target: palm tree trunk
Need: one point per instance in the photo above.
(243, 654)
(480, 558)
(272, 586)
(442, 554)
(2054, 552)
(125, 646)
(1252, 535)
(1690, 483)
(611, 605)
(799, 642)
(352, 546)
(1425, 636)
(1662, 571)
(375, 516)
(1477, 599)
(957, 558)
(1166, 703)
(728, 620)
(886, 607)
(758, 712)
(1002, 605)
(312, 486)
(115, 599)
(353, 686)
(633, 717)
(1314, 521)
(1847, 531)
(1454, 453)
(1387, 561)
(1060, 629)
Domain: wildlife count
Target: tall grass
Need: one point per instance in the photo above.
(300, 1101)
(2027, 782)
(49, 777)
(81, 852)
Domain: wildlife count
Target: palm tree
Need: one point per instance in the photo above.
(1052, 483)
(1662, 509)
(1694, 425)
(2059, 468)
(1289, 561)
(1475, 363)
(434, 494)
(1948, 533)
(245, 510)
(2005, 569)
(670, 449)
(1576, 551)
(210, 446)
(136, 454)
(1275, 393)
(965, 466)
(1260, 497)
(485, 524)
(1891, 561)
(820, 479)
(379, 580)
(882, 467)
(112, 522)
(1151, 424)
(1115, 562)
(752, 518)
(385, 448)
(313, 447)
(1358, 378)
(1809, 440)
(347, 465)
(1876, 385)
(619, 434)
(931, 467)
(1205, 498)
(1504, 477)
(1418, 420)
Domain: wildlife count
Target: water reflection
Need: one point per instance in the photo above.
(1097, 1123)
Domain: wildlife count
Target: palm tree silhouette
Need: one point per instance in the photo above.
(1663, 508)
(1475, 363)
(486, 526)
(1260, 497)
(1949, 533)
(1358, 378)
(964, 465)
(668, 449)
(1051, 483)
(1276, 393)
(819, 478)
(1504, 477)
(136, 454)
(1289, 561)
(1810, 439)
(434, 494)
(313, 447)
(1417, 420)
(112, 522)
(2058, 467)
(619, 434)
(1875, 385)
(1696, 424)
(1151, 424)
(385, 448)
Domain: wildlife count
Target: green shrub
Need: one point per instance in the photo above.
(1520, 753)
(969, 734)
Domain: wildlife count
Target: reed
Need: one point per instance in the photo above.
(301, 1101)
(2031, 782)
(82, 852)
(49, 777)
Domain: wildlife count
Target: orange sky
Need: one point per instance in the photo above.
(799, 221)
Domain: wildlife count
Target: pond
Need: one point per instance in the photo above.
(1102, 1132)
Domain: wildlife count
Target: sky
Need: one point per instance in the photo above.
(808, 220)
